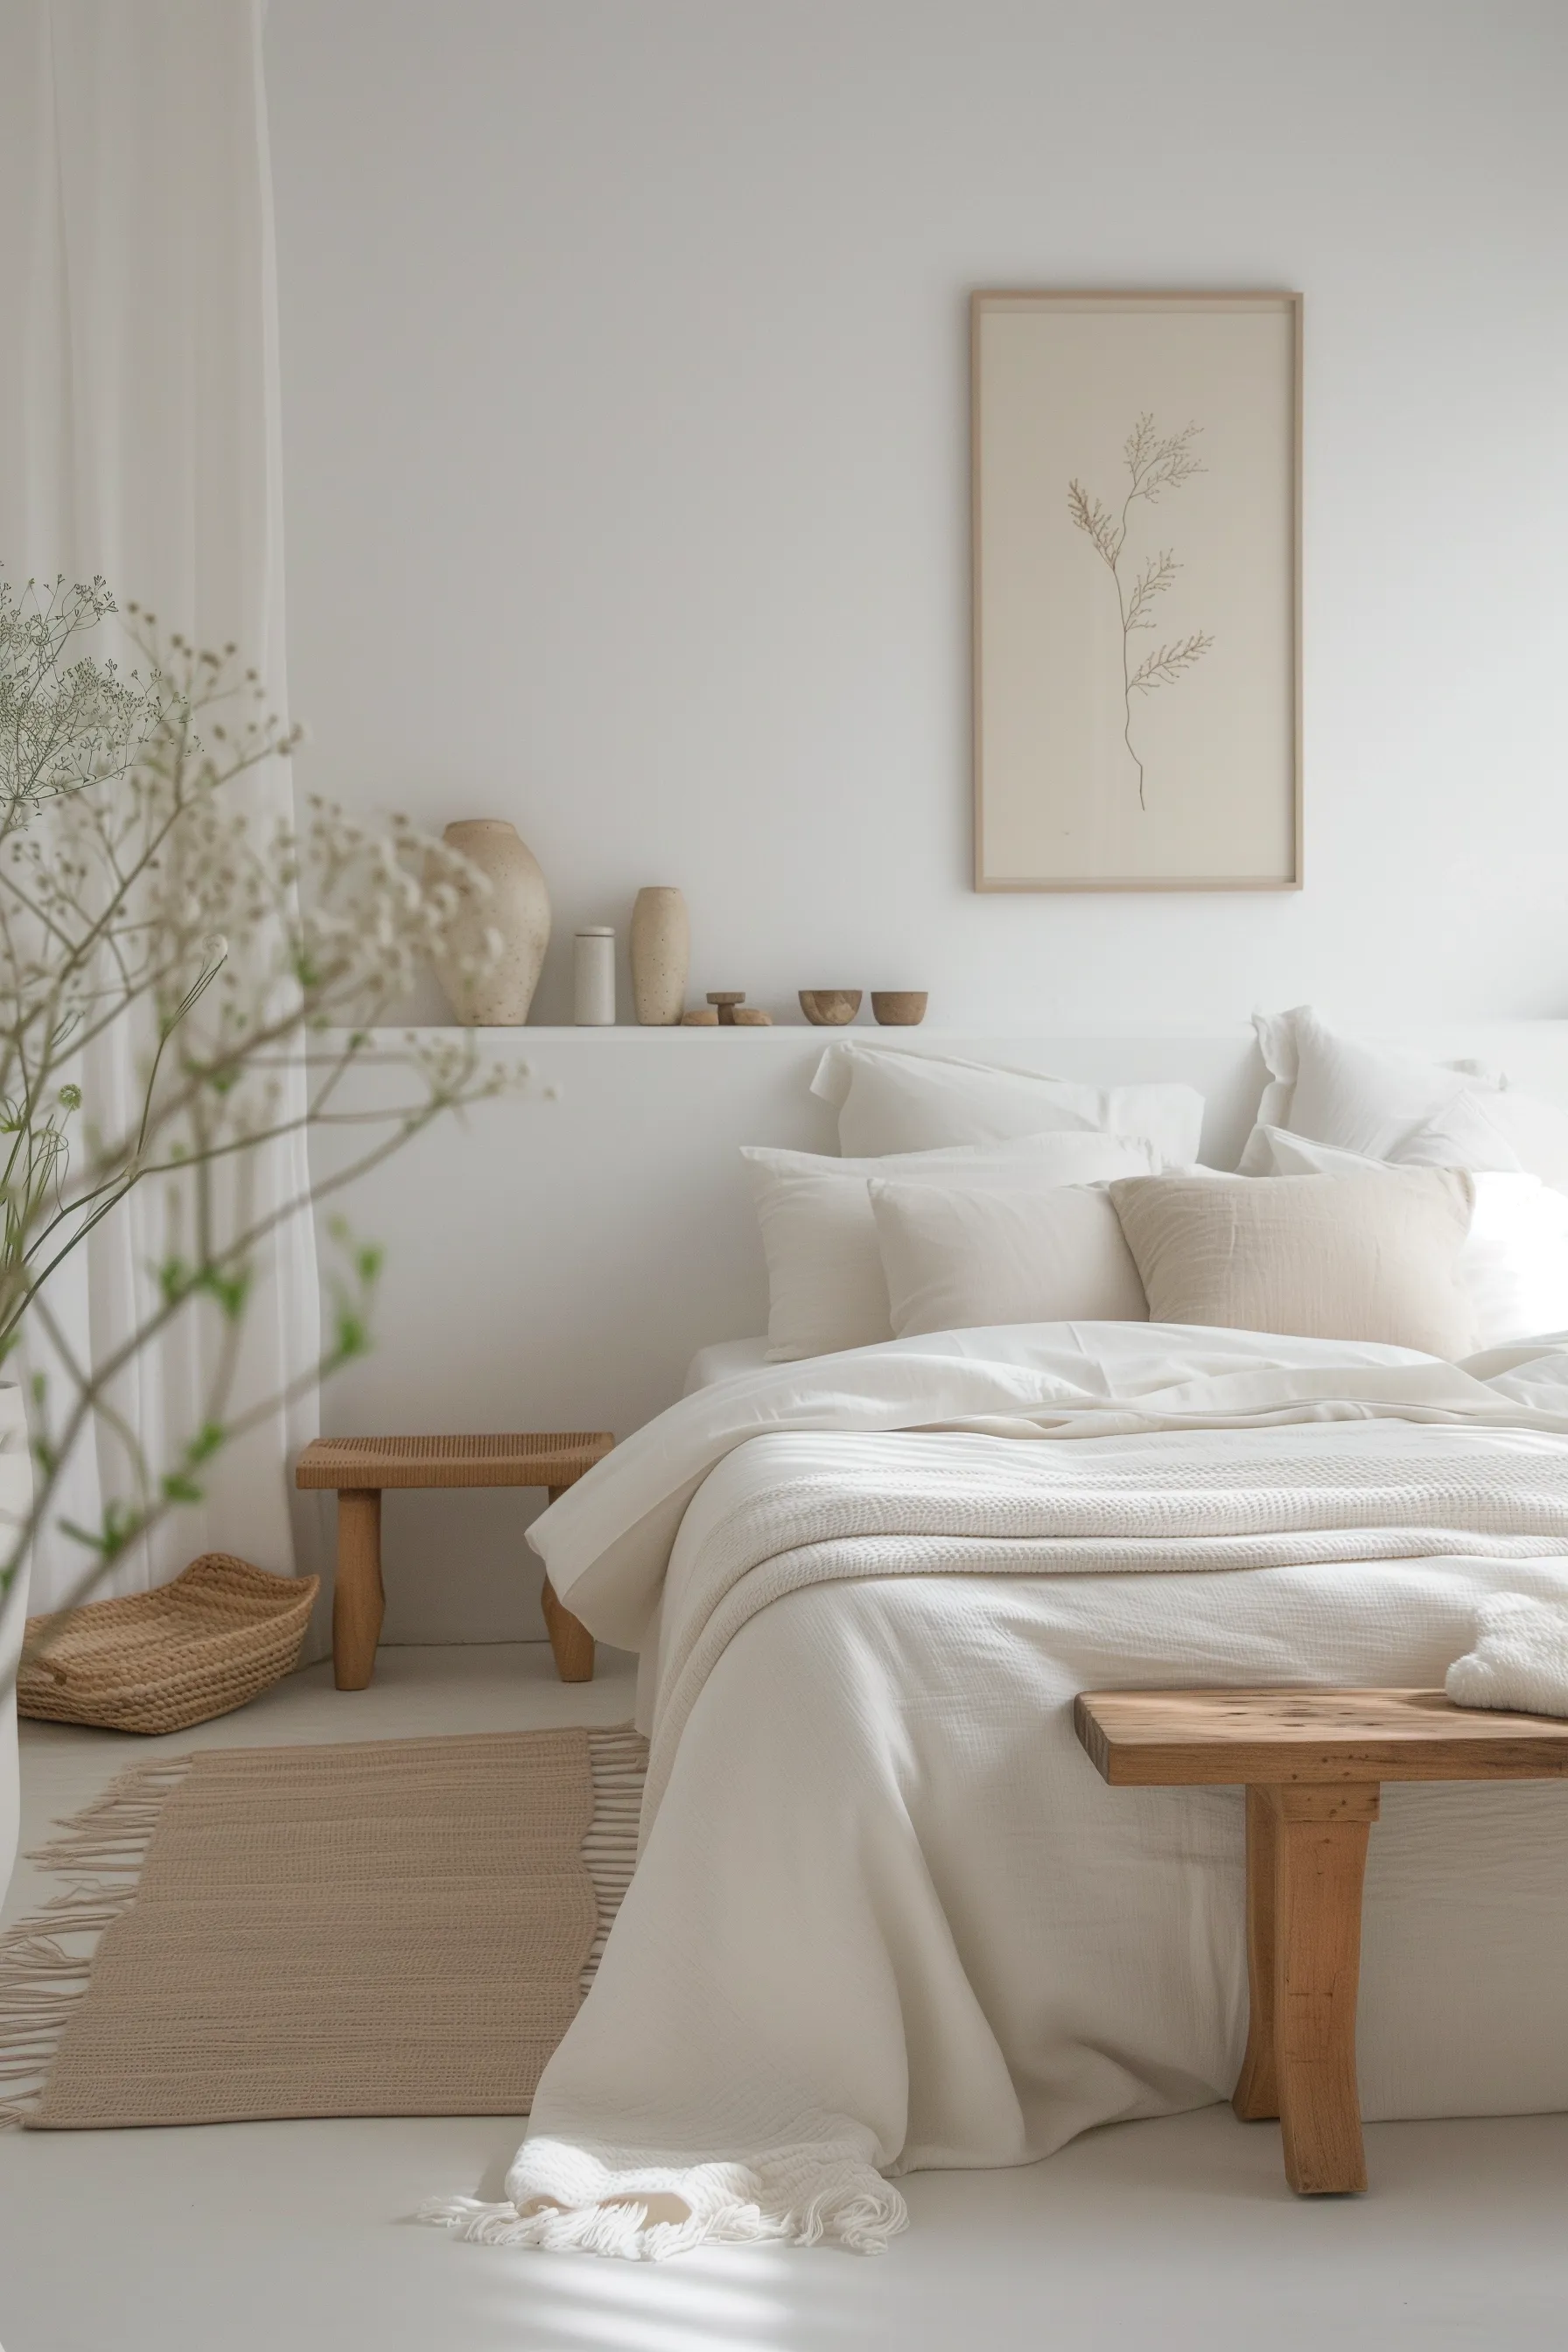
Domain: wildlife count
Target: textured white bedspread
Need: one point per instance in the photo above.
(887, 1916)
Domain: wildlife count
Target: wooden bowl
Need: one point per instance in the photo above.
(899, 1008)
(830, 1008)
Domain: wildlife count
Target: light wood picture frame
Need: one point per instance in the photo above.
(1136, 502)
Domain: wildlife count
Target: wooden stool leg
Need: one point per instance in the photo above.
(1256, 2094)
(357, 1598)
(569, 1637)
(1320, 1838)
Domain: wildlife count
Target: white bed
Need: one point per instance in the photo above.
(887, 1916)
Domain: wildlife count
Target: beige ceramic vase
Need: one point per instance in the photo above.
(517, 906)
(661, 956)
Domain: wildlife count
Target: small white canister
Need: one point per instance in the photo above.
(594, 977)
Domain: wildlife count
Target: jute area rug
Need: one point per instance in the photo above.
(399, 1927)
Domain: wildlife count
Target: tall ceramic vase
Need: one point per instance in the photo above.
(661, 956)
(517, 905)
(16, 1494)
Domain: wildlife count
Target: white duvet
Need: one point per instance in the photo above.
(887, 1916)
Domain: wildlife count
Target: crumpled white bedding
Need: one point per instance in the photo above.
(888, 1916)
(722, 1359)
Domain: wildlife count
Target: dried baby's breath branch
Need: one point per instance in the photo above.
(239, 968)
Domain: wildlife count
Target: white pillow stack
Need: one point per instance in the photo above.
(889, 1100)
(975, 1196)
(1391, 1106)
(826, 1287)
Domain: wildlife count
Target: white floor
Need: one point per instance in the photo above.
(1159, 2236)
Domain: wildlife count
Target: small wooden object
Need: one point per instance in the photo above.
(727, 1009)
(1311, 1761)
(899, 1008)
(830, 1008)
(360, 1468)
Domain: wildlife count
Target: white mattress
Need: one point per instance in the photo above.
(723, 1360)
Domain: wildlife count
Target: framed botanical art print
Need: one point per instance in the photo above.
(1137, 605)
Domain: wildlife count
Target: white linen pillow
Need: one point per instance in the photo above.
(1364, 1098)
(1366, 1258)
(956, 1260)
(1514, 1264)
(827, 1289)
(1388, 1106)
(890, 1101)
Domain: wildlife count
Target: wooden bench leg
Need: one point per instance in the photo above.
(1256, 2098)
(569, 1637)
(1319, 1838)
(358, 1600)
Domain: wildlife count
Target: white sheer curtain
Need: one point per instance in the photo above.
(139, 438)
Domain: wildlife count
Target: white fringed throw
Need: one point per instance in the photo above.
(1520, 1659)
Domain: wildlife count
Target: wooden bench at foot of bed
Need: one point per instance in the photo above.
(1311, 1762)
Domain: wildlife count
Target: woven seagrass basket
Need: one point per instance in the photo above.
(219, 1635)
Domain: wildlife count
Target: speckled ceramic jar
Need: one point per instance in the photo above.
(661, 956)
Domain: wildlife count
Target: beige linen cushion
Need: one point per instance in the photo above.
(956, 1259)
(1367, 1257)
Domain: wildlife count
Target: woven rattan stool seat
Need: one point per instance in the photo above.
(519, 1459)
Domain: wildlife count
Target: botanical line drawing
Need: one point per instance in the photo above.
(1157, 463)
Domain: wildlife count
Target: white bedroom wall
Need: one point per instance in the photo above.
(623, 351)
(626, 458)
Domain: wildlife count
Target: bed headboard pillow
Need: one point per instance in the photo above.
(1514, 1264)
(954, 1260)
(1373, 1257)
(1389, 1106)
(827, 1289)
(891, 1100)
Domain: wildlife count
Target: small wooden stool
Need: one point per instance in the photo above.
(361, 1467)
(1311, 1761)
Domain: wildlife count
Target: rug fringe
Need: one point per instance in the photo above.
(113, 1832)
(41, 1977)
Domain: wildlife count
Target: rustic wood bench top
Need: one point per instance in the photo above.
(1164, 1738)
(1311, 1761)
